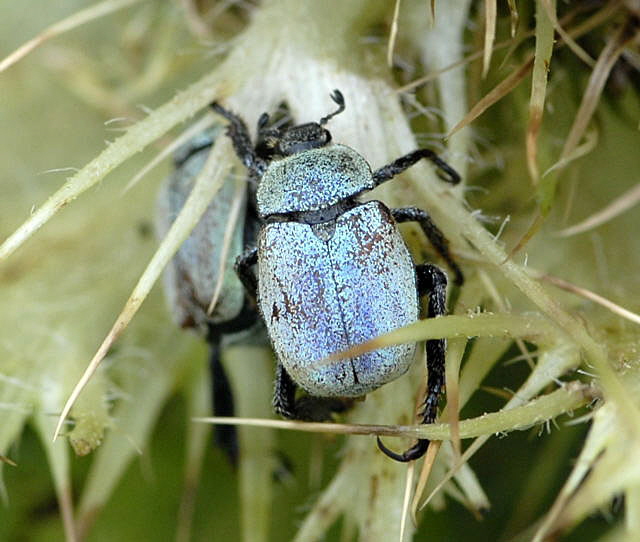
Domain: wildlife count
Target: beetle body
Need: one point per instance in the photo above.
(191, 277)
(333, 272)
(337, 275)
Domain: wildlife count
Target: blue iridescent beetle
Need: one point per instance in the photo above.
(333, 271)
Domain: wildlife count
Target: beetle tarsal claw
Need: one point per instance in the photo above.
(413, 453)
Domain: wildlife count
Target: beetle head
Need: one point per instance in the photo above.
(295, 139)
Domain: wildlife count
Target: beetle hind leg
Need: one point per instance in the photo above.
(432, 281)
(284, 394)
(306, 408)
(225, 436)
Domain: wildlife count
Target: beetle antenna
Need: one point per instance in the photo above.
(337, 97)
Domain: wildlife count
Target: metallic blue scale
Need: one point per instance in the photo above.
(330, 286)
(313, 180)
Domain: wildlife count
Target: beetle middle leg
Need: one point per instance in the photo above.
(431, 281)
(247, 276)
(433, 233)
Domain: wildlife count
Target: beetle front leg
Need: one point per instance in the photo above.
(243, 268)
(433, 233)
(431, 281)
(239, 135)
(446, 172)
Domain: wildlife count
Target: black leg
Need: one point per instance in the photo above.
(246, 318)
(243, 266)
(178, 161)
(433, 233)
(284, 394)
(446, 172)
(307, 407)
(239, 135)
(432, 281)
(225, 436)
